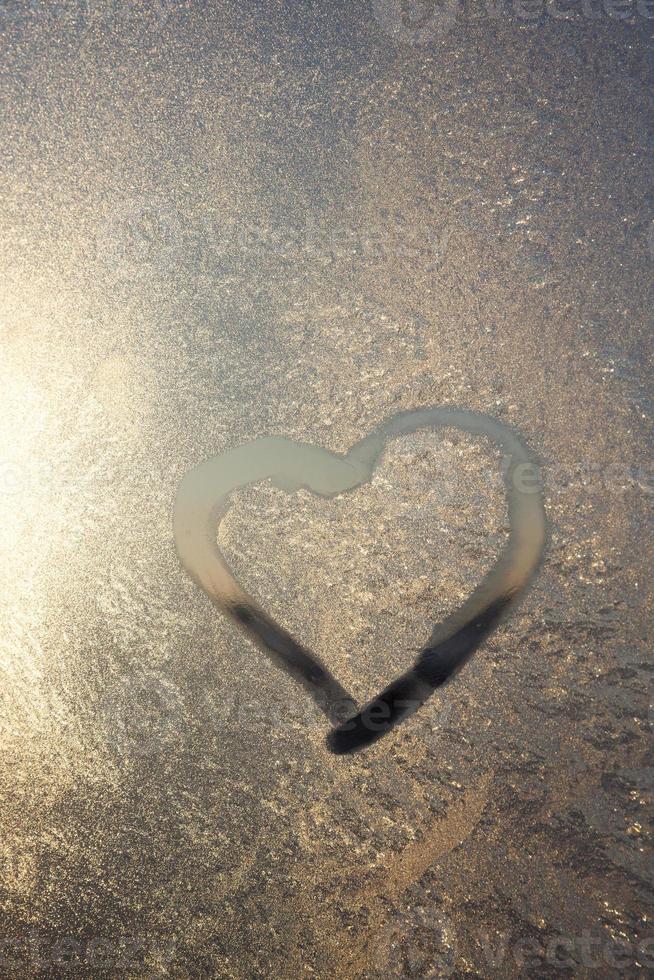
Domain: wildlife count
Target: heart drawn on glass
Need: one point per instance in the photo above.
(203, 500)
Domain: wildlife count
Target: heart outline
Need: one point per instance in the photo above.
(203, 500)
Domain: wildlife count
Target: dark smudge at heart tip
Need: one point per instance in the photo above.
(398, 701)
